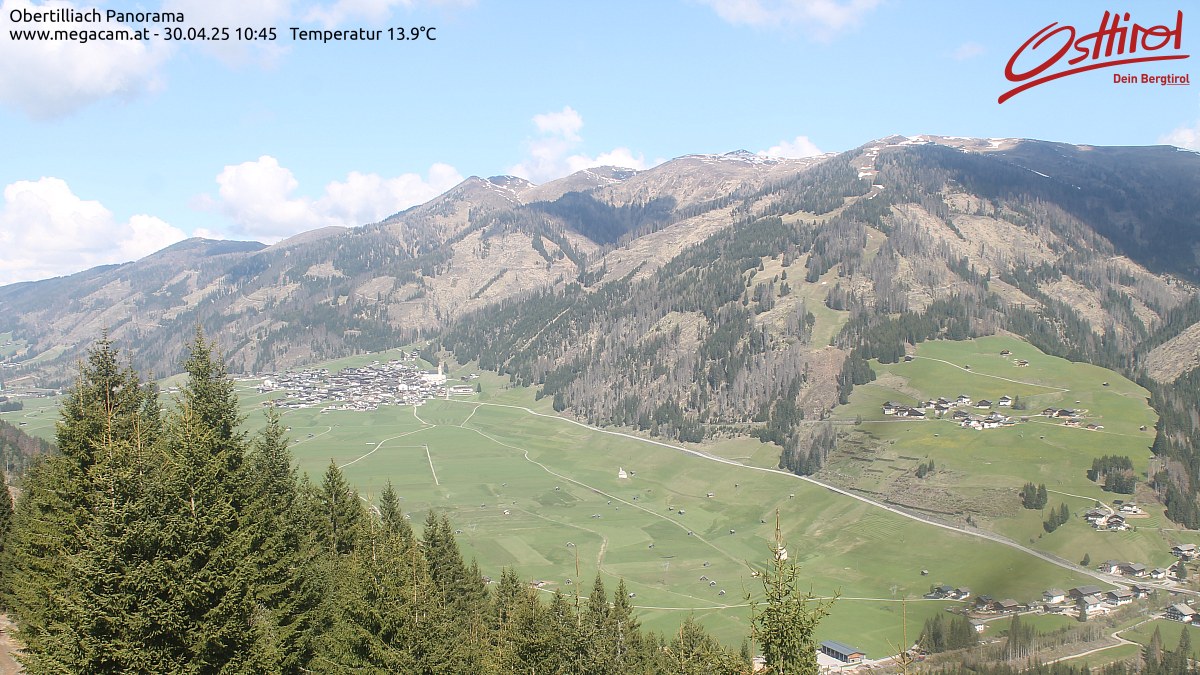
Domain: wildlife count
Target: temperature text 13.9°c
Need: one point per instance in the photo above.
(412, 33)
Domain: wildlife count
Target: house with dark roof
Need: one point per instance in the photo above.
(1180, 612)
(1121, 596)
(1142, 591)
(1006, 605)
(1134, 570)
(1185, 551)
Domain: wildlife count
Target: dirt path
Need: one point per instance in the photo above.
(8, 664)
(995, 377)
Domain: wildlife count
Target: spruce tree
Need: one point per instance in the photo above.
(1152, 653)
(75, 559)
(278, 536)
(692, 651)
(204, 568)
(785, 622)
(341, 512)
(389, 512)
(625, 630)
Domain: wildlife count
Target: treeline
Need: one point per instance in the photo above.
(166, 540)
(1034, 497)
(1115, 471)
(1154, 658)
(942, 635)
(1059, 516)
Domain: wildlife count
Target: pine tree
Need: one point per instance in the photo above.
(74, 560)
(785, 622)
(341, 512)
(695, 652)
(204, 608)
(625, 630)
(393, 520)
(1152, 653)
(278, 539)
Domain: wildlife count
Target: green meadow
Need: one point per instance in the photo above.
(531, 490)
(986, 469)
(534, 491)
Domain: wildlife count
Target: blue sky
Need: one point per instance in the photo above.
(113, 150)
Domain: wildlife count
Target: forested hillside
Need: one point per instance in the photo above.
(768, 324)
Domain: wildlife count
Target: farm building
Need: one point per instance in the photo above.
(843, 652)
(1180, 612)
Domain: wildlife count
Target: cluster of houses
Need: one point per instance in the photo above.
(1102, 519)
(1085, 599)
(988, 604)
(1132, 569)
(957, 408)
(1071, 417)
(395, 382)
(1091, 599)
(944, 592)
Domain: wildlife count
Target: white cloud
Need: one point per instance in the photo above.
(368, 198)
(46, 230)
(551, 154)
(1183, 137)
(826, 16)
(967, 50)
(50, 78)
(258, 197)
(566, 123)
(797, 148)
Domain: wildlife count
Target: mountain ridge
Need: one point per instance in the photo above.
(498, 239)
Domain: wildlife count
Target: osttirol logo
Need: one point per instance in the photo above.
(1047, 54)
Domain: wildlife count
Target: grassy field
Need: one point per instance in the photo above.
(984, 470)
(1170, 631)
(557, 481)
(8, 346)
(537, 492)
